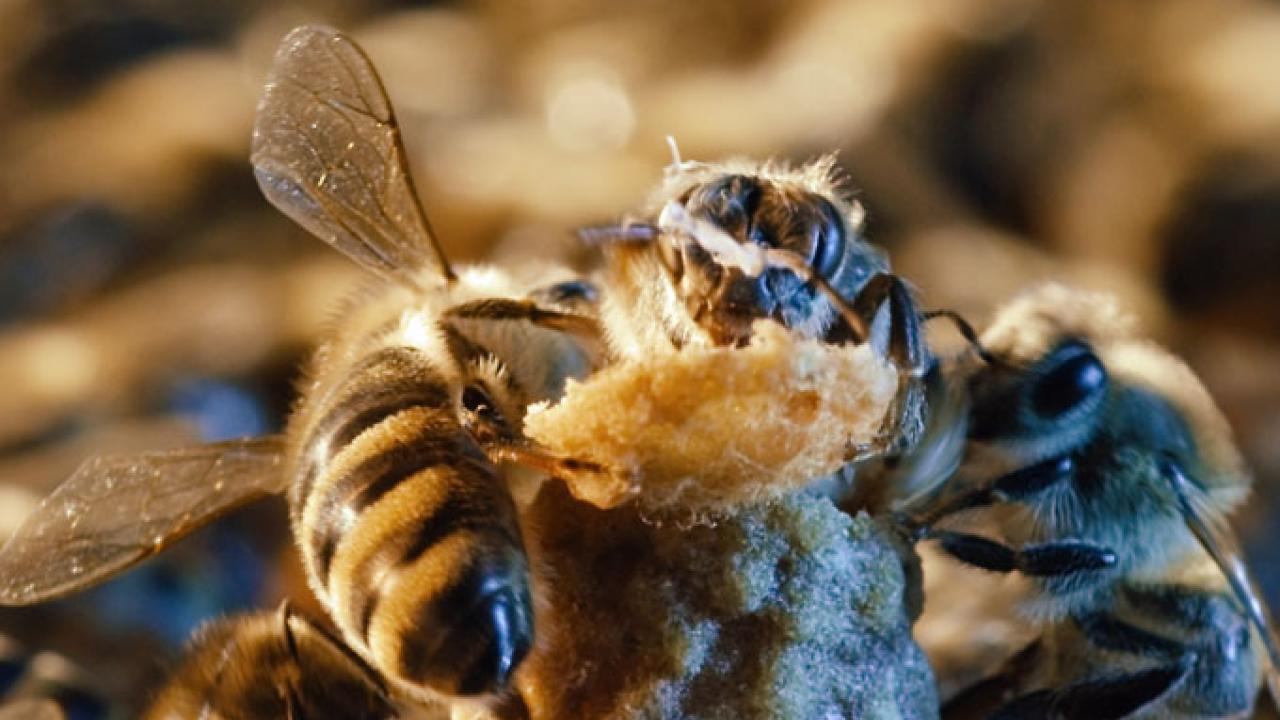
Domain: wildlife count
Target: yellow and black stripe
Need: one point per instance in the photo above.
(409, 530)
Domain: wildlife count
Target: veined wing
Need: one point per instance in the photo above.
(924, 482)
(116, 510)
(327, 152)
(1215, 535)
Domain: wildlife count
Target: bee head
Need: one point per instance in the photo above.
(1060, 394)
(719, 286)
(1052, 373)
(1073, 378)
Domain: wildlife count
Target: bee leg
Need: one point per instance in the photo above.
(902, 342)
(1029, 481)
(1051, 559)
(1106, 698)
(1018, 485)
(903, 423)
(527, 311)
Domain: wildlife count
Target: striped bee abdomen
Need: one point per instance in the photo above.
(385, 382)
(409, 531)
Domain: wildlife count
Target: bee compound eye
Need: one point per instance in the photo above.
(728, 201)
(476, 400)
(1075, 376)
(828, 241)
(739, 198)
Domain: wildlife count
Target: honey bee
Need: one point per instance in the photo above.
(399, 461)
(45, 685)
(729, 244)
(267, 664)
(1105, 469)
(31, 709)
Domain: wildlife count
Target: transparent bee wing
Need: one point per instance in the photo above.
(115, 511)
(923, 481)
(1213, 532)
(32, 709)
(327, 152)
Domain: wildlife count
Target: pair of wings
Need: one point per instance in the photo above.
(327, 152)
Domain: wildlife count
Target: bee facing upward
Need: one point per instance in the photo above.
(1106, 470)
(733, 243)
(398, 461)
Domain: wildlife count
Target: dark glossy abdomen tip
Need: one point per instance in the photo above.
(510, 635)
(483, 647)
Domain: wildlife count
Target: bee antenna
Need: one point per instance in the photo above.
(626, 233)
(964, 328)
(675, 151)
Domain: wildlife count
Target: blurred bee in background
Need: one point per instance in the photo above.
(267, 664)
(729, 244)
(45, 686)
(393, 463)
(1105, 468)
(31, 709)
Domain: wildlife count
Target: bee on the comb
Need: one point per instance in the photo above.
(399, 461)
(725, 245)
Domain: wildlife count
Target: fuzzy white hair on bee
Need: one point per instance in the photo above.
(821, 176)
(1033, 321)
(741, 240)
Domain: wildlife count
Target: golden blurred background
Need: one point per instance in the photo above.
(149, 296)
